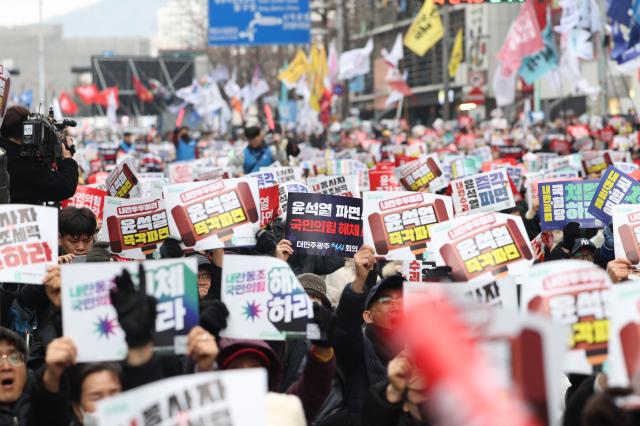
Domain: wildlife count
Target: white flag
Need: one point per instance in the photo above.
(394, 56)
(393, 97)
(504, 88)
(355, 62)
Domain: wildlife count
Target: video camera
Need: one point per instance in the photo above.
(42, 136)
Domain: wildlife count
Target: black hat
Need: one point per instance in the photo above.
(582, 243)
(395, 282)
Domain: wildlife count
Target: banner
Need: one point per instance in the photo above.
(326, 225)
(426, 29)
(482, 244)
(214, 214)
(398, 224)
(536, 66)
(284, 174)
(423, 174)
(218, 398)
(92, 322)
(135, 227)
(346, 186)
(28, 242)
(567, 201)
(484, 192)
(626, 232)
(615, 187)
(523, 39)
(91, 198)
(254, 24)
(595, 161)
(122, 182)
(573, 294)
(269, 196)
(624, 334)
(383, 180)
(264, 298)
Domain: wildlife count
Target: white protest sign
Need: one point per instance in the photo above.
(346, 186)
(28, 242)
(264, 298)
(91, 321)
(483, 192)
(122, 182)
(219, 398)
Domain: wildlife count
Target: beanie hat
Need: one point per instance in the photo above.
(99, 252)
(315, 287)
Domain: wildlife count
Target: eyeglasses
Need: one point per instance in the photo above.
(14, 358)
(386, 300)
(204, 276)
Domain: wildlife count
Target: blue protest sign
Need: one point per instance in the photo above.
(567, 201)
(327, 225)
(615, 187)
(254, 22)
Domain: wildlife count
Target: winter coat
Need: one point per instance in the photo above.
(377, 411)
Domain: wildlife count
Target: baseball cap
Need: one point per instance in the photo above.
(582, 243)
(393, 282)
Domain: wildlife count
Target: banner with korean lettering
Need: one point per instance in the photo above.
(624, 335)
(594, 162)
(615, 187)
(28, 242)
(264, 299)
(567, 201)
(135, 227)
(626, 233)
(383, 180)
(398, 224)
(481, 245)
(326, 225)
(269, 196)
(484, 192)
(460, 167)
(284, 174)
(423, 174)
(214, 214)
(346, 186)
(92, 322)
(122, 182)
(91, 198)
(284, 191)
(574, 294)
(215, 398)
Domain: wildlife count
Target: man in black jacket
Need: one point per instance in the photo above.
(32, 181)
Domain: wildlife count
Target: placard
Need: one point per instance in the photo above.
(573, 294)
(497, 294)
(264, 299)
(284, 174)
(423, 174)
(624, 335)
(615, 188)
(122, 182)
(567, 201)
(28, 242)
(398, 224)
(218, 398)
(91, 198)
(135, 227)
(626, 232)
(383, 180)
(214, 214)
(284, 191)
(269, 196)
(326, 225)
(595, 161)
(92, 322)
(484, 192)
(346, 186)
(482, 244)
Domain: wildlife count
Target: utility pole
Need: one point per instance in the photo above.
(444, 10)
(41, 79)
(342, 45)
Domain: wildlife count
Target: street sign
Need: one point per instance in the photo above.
(476, 96)
(477, 78)
(255, 22)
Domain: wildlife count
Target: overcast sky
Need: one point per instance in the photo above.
(21, 12)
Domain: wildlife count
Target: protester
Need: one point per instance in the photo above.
(185, 145)
(126, 145)
(256, 154)
(76, 230)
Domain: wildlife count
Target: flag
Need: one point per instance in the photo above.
(143, 93)
(332, 63)
(89, 94)
(456, 55)
(504, 87)
(67, 106)
(355, 62)
(398, 82)
(523, 39)
(393, 57)
(103, 97)
(318, 72)
(112, 105)
(535, 66)
(296, 69)
(57, 111)
(394, 96)
(426, 29)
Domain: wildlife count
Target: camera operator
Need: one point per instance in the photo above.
(32, 181)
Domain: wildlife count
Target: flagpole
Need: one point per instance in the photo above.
(41, 79)
(444, 9)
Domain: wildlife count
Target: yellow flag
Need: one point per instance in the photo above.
(318, 72)
(426, 29)
(456, 55)
(296, 69)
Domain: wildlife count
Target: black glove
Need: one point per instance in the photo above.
(438, 274)
(570, 232)
(265, 242)
(136, 309)
(213, 316)
(326, 321)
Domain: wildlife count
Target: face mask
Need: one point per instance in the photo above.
(89, 419)
(184, 138)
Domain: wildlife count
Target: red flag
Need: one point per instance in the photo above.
(67, 105)
(103, 96)
(523, 39)
(88, 93)
(143, 93)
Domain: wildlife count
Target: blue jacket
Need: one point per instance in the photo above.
(126, 148)
(186, 150)
(254, 158)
